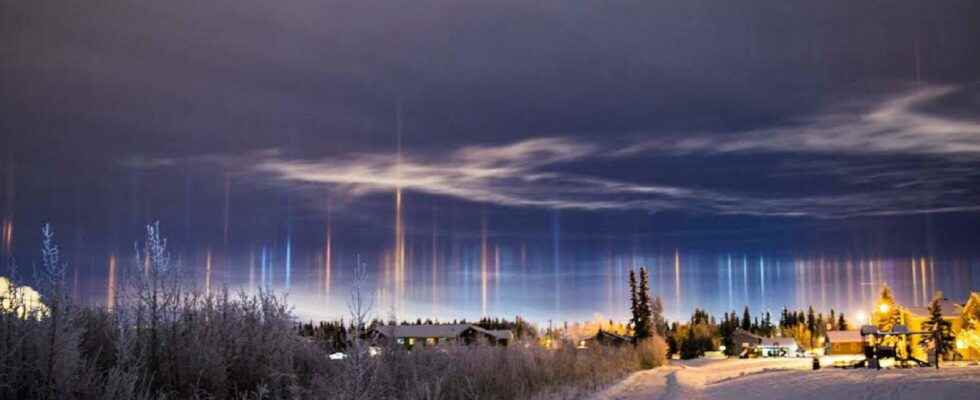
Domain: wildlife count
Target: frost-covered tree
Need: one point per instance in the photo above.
(358, 376)
(150, 300)
(657, 312)
(60, 333)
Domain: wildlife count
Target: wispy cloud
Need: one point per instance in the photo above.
(532, 173)
(516, 174)
(894, 126)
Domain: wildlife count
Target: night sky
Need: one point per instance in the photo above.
(784, 129)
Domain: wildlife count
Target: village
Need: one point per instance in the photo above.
(890, 334)
(734, 358)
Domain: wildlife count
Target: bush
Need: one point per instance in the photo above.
(162, 340)
(652, 352)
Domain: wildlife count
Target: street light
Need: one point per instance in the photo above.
(883, 308)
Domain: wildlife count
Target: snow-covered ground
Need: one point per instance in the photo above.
(793, 379)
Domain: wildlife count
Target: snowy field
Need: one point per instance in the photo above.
(793, 379)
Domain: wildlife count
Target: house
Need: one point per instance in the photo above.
(748, 344)
(967, 337)
(431, 335)
(605, 338)
(777, 347)
(503, 336)
(745, 341)
(844, 342)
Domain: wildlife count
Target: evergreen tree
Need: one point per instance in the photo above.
(746, 320)
(634, 304)
(726, 329)
(942, 340)
(842, 323)
(886, 310)
(833, 320)
(643, 328)
(767, 327)
(811, 325)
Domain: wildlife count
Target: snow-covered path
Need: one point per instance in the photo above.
(792, 379)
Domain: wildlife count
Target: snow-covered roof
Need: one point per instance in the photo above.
(501, 334)
(844, 336)
(777, 342)
(424, 331)
(742, 332)
(439, 331)
(612, 335)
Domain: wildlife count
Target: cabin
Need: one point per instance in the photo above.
(844, 342)
(605, 338)
(745, 341)
(436, 334)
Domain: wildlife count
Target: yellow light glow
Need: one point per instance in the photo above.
(21, 300)
(960, 344)
(861, 318)
(883, 308)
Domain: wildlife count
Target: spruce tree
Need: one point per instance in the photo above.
(842, 323)
(942, 340)
(811, 325)
(643, 328)
(886, 310)
(634, 304)
(746, 320)
(767, 327)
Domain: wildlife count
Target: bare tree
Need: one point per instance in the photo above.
(359, 372)
(150, 300)
(60, 335)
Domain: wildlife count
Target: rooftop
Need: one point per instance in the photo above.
(844, 336)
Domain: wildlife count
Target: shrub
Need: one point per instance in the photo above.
(162, 340)
(652, 352)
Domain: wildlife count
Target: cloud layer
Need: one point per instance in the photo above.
(530, 172)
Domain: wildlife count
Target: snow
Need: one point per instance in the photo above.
(793, 379)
